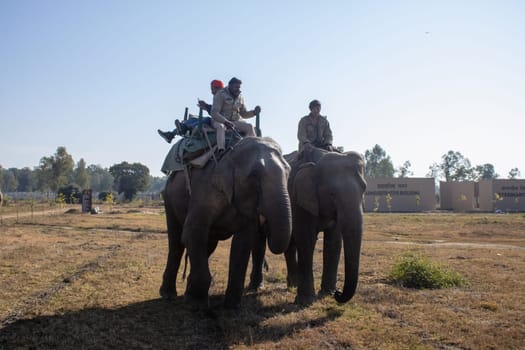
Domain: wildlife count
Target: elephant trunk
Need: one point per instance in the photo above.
(352, 233)
(276, 208)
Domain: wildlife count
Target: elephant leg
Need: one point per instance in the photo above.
(305, 235)
(212, 245)
(291, 264)
(258, 251)
(168, 289)
(199, 279)
(239, 256)
(331, 253)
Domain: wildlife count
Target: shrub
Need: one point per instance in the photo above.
(413, 271)
(69, 194)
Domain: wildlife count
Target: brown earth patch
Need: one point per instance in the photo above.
(91, 281)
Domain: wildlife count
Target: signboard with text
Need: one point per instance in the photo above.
(400, 195)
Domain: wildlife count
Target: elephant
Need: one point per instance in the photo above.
(228, 198)
(326, 190)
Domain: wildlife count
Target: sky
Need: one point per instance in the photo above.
(418, 78)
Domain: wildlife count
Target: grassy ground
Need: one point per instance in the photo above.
(91, 282)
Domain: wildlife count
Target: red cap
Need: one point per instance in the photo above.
(217, 84)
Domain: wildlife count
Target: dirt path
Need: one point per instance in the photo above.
(36, 213)
(455, 244)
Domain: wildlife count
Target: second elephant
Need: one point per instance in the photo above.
(326, 191)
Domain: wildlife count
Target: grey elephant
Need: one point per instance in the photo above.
(326, 190)
(227, 198)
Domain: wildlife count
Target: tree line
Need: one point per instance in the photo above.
(453, 167)
(58, 173)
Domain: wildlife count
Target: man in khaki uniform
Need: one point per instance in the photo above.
(228, 110)
(314, 129)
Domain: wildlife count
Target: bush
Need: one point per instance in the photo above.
(70, 194)
(413, 271)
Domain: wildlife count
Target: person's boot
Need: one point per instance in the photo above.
(181, 129)
(166, 135)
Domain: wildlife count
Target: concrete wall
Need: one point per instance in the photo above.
(458, 196)
(400, 195)
(502, 194)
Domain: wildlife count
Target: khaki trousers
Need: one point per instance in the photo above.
(244, 128)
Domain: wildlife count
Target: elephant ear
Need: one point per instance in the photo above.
(304, 189)
(222, 179)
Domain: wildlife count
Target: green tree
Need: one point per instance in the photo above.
(156, 183)
(434, 171)
(514, 173)
(44, 174)
(378, 164)
(62, 168)
(455, 167)
(100, 179)
(404, 170)
(26, 180)
(130, 178)
(81, 176)
(485, 172)
(9, 183)
(55, 171)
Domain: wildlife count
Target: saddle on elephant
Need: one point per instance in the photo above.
(197, 146)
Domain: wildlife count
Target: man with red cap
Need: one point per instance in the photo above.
(229, 111)
(181, 128)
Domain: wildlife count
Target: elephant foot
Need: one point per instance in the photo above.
(324, 292)
(167, 292)
(197, 303)
(304, 300)
(255, 284)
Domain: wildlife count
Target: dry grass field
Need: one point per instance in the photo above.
(80, 281)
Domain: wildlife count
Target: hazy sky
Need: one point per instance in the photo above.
(419, 78)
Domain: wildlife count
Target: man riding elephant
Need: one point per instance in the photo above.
(314, 129)
(229, 111)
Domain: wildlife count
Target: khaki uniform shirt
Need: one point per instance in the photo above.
(318, 134)
(226, 107)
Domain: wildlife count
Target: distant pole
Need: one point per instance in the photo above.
(257, 125)
(186, 114)
(200, 120)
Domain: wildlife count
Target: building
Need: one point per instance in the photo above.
(461, 196)
(400, 195)
(506, 195)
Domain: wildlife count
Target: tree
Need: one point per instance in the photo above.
(404, 170)
(81, 175)
(70, 193)
(44, 174)
(100, 179)
(26, 180)
(55, 171)
(378, 164)
(514, 173)
(156, 184)
(130, 178)
(455, 167)
(434, 171)
(10, 184)
(62, 168)
(484, 172)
